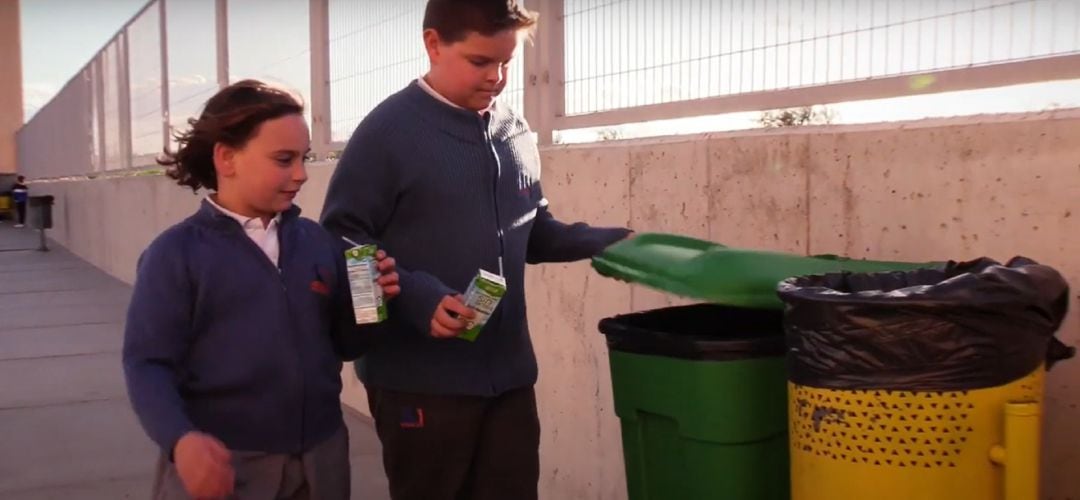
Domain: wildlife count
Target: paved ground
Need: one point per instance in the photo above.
(66, 429)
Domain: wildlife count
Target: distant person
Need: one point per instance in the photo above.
(241, 315)
(20, 194)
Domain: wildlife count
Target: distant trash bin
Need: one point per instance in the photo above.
(925, 384)
(39, 212)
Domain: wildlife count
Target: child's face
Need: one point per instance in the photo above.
(266, 174)
(472, 72)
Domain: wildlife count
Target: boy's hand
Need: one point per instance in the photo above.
(204, 466)
(388, 278)
(450, 317)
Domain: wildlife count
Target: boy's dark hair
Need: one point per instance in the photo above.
(21, 178)
(455, 19)
(231, 117)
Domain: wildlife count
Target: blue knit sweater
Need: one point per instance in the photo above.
(448, 192)
(220, 340)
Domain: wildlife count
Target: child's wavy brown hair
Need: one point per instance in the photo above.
(231, 117)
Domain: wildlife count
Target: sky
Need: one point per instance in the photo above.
(619, 53)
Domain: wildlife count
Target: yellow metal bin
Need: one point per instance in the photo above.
(925, 385)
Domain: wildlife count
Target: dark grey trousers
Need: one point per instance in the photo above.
(321, 473)
(458, 447)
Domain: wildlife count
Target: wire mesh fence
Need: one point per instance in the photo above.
(625, 53)
(608, 61)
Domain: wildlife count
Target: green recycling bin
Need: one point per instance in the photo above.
(701, 390)
(701, 395)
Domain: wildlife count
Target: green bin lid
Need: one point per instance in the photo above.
(715, 273)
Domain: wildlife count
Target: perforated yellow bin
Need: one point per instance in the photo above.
(926, 385)
(957, 445)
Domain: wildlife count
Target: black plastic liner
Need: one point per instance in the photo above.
(698, 332)
(968, 325)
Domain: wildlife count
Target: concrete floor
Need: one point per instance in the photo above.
(66, 428)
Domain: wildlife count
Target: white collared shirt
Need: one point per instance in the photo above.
(434, 93)
(266, 238)
(427, 88)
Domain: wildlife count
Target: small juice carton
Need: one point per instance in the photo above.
(367, 296)
(483, 295)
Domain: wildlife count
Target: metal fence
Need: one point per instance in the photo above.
(591, 63)
(657, 51)
(370, 56)
(374, 50)
(655, 59)
(191, 57)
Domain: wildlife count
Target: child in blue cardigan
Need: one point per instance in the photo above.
(241, 315)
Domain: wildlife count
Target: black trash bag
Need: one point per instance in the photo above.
(967, 325)
(700, 332)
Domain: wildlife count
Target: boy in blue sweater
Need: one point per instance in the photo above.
(447, 179)
(241, 315)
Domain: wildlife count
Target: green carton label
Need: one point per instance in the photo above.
(483, 296)
(369, 305)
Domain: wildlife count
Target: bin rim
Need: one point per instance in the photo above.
(624, 337)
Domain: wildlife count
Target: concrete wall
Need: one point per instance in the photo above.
(11, 91)
(989, 186)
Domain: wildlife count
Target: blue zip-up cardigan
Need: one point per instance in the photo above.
(448, 192)
(221, 341)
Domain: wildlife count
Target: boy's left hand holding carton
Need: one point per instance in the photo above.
(451, 317)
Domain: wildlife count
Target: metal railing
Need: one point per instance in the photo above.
(685, 58)
(592, 63)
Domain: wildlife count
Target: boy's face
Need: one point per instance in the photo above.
(471, 72)
(265, 175)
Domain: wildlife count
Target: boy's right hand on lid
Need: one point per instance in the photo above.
(204, 466)
(451, 316)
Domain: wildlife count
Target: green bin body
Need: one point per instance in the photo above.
(701, 393)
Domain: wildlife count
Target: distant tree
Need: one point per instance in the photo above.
(609, 134)
(795, 117)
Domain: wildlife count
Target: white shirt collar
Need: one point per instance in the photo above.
(434, 93)
(245, 221)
